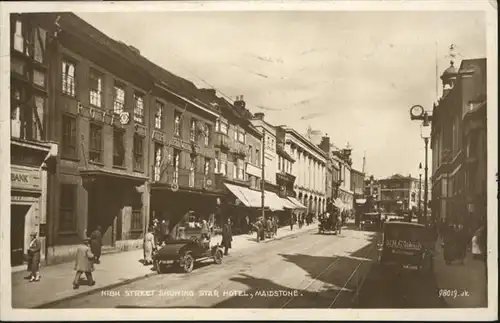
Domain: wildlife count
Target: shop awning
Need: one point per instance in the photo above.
(287, 204)
(273, 201)
(245, 195)
(297, 203)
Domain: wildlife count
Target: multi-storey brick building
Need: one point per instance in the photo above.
(458, 142)
(398, 193)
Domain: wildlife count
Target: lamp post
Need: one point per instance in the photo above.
(417, 112)
(420, 189)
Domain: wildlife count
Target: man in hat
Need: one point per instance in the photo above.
(34, 258)
(84, 264)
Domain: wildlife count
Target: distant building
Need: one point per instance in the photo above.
(357, 183)
(398, 193)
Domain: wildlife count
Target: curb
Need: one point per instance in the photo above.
(131, 280)
(93, 291)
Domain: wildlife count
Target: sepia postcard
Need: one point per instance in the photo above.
(235, 160)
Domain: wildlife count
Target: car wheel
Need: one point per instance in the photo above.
(188, 263)
(218, 257)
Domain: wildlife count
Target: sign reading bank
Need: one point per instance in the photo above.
(25, 179)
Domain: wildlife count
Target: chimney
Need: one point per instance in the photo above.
(239, 102)
(135, 49)
(325, 144)
(259, 115)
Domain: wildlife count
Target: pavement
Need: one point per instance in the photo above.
(114, 270)
(308, 270)
(461, 285)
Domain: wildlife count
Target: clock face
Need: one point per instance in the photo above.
(417, 110)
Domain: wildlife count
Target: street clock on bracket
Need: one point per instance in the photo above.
(417, 111)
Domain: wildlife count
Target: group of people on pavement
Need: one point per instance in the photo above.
(266, 228)
(458, 239)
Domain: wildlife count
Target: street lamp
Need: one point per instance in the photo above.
(417, 112)
(425, 133)
(420, 190)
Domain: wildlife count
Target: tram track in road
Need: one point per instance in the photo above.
(324, 272)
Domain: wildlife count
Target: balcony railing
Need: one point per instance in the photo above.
(186, 178)
(221, 140)
(239, 149)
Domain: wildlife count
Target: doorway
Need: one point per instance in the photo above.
(17, 234)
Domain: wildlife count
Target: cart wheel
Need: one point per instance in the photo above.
(188, 264)
(218, 257)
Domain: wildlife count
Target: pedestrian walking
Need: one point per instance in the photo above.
(84, 264)
(149, 247)
(247, 224)
(96, 243)
(227, 236)
(34, 258)
(275, 227)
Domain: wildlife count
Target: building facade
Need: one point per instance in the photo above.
(357, 184)
(33, 155)
(309, 171)
(345, 195)
(458, 143)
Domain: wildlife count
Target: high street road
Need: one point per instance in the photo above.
(303, 271)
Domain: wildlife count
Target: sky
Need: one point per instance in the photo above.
(351, 75)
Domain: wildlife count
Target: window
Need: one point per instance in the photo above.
(257, 157)
(192, 131)
(136, 221)
(158, 162)
(177, 124)
(240, 171)
(192, 169)
(68, 78)
(95, 146)
(37, 118)
(176, 162)
(118, 147)
(138, 108)
(221, 163)
(279, 162)
(18, 37)
(68, 136)
(67, 208)
(119, 99)
(217, 125)
(235, 133)
(40, 42)
(39, 78)
(159, 115)
(207, 134)
(95, 88)
(249, 155)
(223, 128)
(138, 152)
(27, 121)
(206, 168)
(241, 136)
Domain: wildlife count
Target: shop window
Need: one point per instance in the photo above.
(138, 150)
(138, 108)
(159, 115)
(95, 88)
(67, 208)
(95, 145)
(118, 147)
(137, 220)
(68, 78)
(119, 99)
(177, 124)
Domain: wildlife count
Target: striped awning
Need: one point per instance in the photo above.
(297, 203)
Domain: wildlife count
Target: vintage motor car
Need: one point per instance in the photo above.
(327, 225)
(408, 245)
(371, 220)
(185, 252)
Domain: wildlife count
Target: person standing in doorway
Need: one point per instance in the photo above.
(34, 258)
(227, 236)
(96, 244)
(84, 264)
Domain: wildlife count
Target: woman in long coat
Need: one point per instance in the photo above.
(149, 247)
(96, 243)
(227, 236)
(34, 258)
